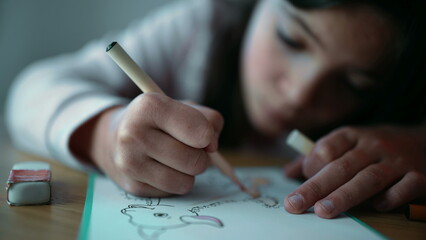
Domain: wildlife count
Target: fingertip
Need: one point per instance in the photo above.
(287, 206)
(294, 203)
(325, 209)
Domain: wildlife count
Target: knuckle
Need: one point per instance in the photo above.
(349, 130)
(315, 189)
(124, 164)
(149, 104)
(130, 165)
(326, 152)
(145, 143)
(343, 168)
(374, 175)
(147, 101)
(125, 136)
(346, 196)
(377, 143)
(144, 102)
(198, 163)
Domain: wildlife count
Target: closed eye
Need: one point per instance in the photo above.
(285, 39)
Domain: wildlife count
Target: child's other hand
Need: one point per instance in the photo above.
(156, 145)
(351, 165)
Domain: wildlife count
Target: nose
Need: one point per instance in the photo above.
(301, 86)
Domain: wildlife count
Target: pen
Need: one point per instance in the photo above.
(146, 84)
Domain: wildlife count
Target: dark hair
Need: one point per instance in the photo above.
(402, 102)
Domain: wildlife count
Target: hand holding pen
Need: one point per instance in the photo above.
(176, 141)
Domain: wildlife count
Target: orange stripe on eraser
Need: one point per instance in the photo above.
(29, 184)
(416, 212)
(28, 176)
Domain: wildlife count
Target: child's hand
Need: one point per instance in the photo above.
(156, 145)
(350, 165)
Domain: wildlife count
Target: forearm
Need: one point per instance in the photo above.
(53, 99)
(45, 105)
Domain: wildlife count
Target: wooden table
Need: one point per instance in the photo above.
(61, 219)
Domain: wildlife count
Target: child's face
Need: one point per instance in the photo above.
(309, 69)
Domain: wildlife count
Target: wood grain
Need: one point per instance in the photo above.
(59, 220)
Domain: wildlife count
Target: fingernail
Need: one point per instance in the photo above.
(327, 205)
(296, 201)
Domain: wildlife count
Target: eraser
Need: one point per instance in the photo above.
(29, 184)
(416, 212)
(300, 142)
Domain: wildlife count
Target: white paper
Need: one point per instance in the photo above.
(214, 209)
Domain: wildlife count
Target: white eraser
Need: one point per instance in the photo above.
(29, 184)
(300, 142)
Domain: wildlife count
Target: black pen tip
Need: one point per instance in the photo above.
(111, 46)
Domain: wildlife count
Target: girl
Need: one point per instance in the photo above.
(348, 73)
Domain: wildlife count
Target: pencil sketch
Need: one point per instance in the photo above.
(153, 218)
(214, 209)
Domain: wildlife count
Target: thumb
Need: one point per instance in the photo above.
(215, 119)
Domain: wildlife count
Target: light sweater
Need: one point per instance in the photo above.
(50, 99)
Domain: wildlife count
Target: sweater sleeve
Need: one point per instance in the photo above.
(51, 98)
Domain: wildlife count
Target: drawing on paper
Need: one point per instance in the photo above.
(114, 214)
(154, 218)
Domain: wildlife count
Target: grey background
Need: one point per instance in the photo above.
(35, 29)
